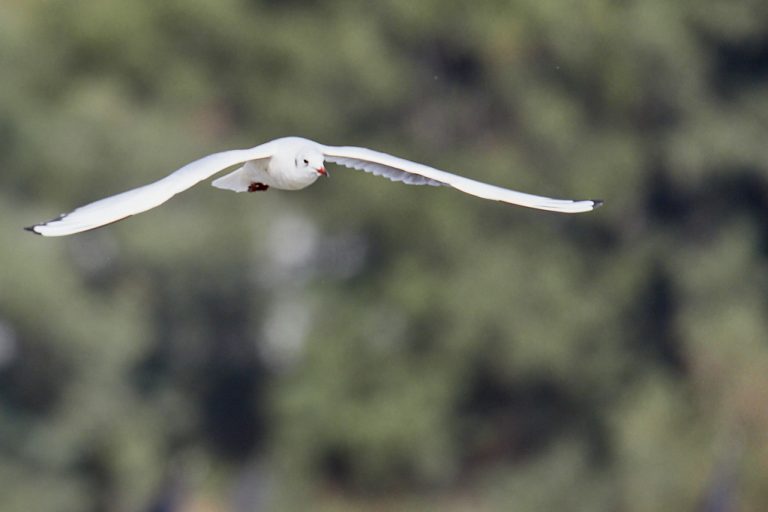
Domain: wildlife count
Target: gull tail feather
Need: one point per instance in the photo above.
(236, 181)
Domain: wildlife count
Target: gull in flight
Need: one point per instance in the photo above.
(289, 163)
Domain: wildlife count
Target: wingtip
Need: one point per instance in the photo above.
(597, 203)
(35, 227)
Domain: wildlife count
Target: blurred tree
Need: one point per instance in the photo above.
(366, 343)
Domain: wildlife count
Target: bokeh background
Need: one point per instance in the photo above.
(364, 345)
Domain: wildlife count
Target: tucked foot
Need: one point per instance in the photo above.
(257, 187)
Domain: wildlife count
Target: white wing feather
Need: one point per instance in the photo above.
(120, 206)
(399, 169)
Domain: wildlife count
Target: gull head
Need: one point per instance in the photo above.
(312, 161)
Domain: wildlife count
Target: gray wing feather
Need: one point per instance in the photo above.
(385, 171)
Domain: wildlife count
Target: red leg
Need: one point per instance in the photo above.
(257, 187)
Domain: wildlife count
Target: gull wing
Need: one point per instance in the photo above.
(412, 173)
(118, 207)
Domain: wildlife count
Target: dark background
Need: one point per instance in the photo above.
(364, 345)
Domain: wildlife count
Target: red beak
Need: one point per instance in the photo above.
(321, 171)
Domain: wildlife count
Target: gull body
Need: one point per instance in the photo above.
(294, 164)
(289, 163)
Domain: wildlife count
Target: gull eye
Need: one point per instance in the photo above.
(306, 162)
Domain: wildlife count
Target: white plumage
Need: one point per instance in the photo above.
(290, 163)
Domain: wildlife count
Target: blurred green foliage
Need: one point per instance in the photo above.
(368, 345)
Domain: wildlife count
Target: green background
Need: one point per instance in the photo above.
(364, 345)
